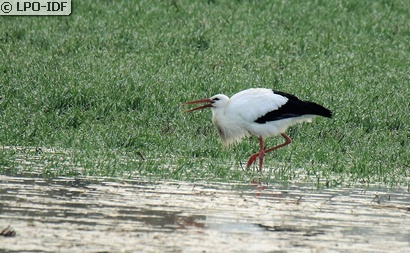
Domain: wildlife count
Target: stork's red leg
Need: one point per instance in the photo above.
(288, 140)
(263, 151)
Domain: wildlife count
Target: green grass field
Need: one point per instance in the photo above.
(102, 88)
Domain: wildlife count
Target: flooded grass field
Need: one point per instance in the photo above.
(90, 100)
(107, 215)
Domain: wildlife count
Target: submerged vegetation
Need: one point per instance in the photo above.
(99, 92)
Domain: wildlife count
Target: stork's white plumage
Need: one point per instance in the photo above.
(261, 112)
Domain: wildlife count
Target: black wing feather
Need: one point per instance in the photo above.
(294, 107)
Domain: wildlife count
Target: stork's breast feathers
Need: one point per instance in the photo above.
(230, 132)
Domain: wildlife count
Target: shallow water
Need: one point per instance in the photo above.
(105, 215)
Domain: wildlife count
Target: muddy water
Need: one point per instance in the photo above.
(103, 215)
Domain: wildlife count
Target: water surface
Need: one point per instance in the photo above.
(105, 215)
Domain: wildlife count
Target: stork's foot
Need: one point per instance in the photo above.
(253, 158)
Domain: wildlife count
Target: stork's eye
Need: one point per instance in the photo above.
(215, 99)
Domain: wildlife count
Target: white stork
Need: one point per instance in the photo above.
(261, 112)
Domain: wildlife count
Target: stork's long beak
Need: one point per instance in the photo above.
(207, 100)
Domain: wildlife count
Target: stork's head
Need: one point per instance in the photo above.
(217, 101)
